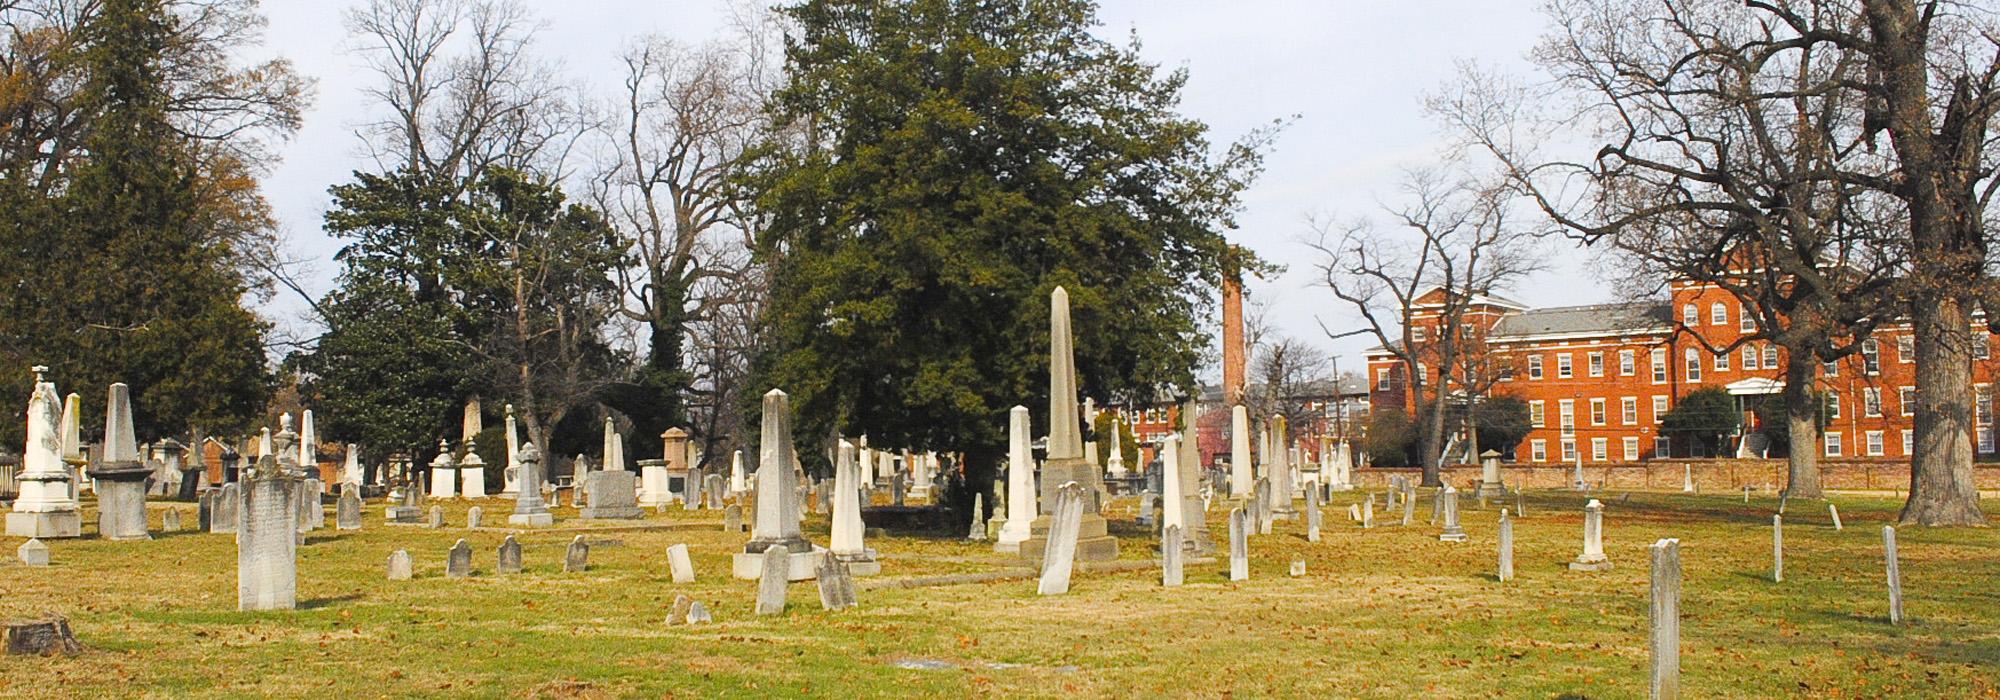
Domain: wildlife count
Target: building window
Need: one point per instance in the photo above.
(1663, 447)
(1566, 415)
(1537, 412)
(1534, 366)
(1746, 324)
(1985, 439)
(1563, 369)
(1832, 369)
(1600, 449)
(1871, 357)
(1906, 400)
(1597, 411)
(1749, 357)
(1538, 450)
(1631, 449)
(1689, 316)
(1419, 334)
(1770, 356)
(1424, 371)
(1982, 404)
(1980, 347)
(1906, 349)
(1629, 410)
(1871, 402)
(1718, 314)
(1832, 405)
(1722, 362)
(1833, 444)
(1659, 357)
(1628, 363)
(1596, 364)
(1909, 443)
(1569, 449)
(1693, 365)
(1659, 408)
(1873, 440)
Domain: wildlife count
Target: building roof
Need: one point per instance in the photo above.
(1630, 317)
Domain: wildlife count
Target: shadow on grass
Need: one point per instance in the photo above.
(317, 603)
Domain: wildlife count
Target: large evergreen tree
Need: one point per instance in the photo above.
(957, 160)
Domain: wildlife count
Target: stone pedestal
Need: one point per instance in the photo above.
(121, 501)
(654, 490)
(51, 525)
(1490, 485)
(800, 566)
(1093, 540)
(1592, 558)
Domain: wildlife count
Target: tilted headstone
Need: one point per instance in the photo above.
(170, 521)
(347, 512)
(314, 510)
(716, 489)
(1312, 515)
(613, 495)
(1239, 545)
(732, 518)
(1059, 557)
(771, 581)
(33, 553)
(508, 559)
(474, 517)
(679, 564)
(400, 567)
(679, 614)
(576, 559)
(836, 586)
(1368, 512)
(698, 614)
(1592, 558)
(1171, 558)
(1834, 512)
(267, 545)
(1409, 504)
(458, 562)
(436, 519)
(1353, 512)
(1665, 615)
(1895, 571)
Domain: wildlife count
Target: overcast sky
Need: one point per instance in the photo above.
(1353, 72)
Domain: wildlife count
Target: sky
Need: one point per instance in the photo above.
(1352, 73)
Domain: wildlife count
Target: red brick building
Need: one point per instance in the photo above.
(1598, 378)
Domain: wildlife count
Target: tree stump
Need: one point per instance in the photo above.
(45, 637)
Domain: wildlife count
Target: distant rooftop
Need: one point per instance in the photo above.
(1628, 317)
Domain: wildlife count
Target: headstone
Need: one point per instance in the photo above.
(1265, 503)
(458, 562)
(679, 614)
(836, 587)
(530, 510)
(1687, 478)
(474, 517)
(267, 544)
(1592, 558)
(716, 489)
(444, 473)
(698, 614)
(1452, 531)
(436, 519)
(347, 512)
(1368, 512)
(204, 510)
(1059, 557)
(1171, 556)
(228, 506)
(1506, 546)
(1777, 548)
(508, 559)
(613, 495)
(1146, 499)
(771, 582)
(1490, 484)
(1834, 512)
(1312, 515)
(400, 567)
(312, 514)
(1298, 567)
(1895, 571)
(408, 508)
(896, 488)
(33, 553)
(777, 516)
(849, 533)
(1746, 493)
(472, 471)
(1409, 504)
(732, 518)
(576, 559)
(120, 475)
(977, 533)
(679, 564)
(170, 521)
(1239, 545)
(1021, 508)
(1067, 460)
(1665, 614)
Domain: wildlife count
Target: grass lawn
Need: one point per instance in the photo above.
(1388, 612)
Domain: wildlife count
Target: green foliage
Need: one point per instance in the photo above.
(1392, 439)
(1503, 422)
(122, 276)
(963, 159)
(1101, 430)
(1706, 415)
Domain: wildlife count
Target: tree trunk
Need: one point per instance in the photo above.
(1801, 426)
(1941, 488)
(1434, 439)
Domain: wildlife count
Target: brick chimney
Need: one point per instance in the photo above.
(1233, 365)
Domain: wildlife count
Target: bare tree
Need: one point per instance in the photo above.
(1290, 374)
(1455, 236)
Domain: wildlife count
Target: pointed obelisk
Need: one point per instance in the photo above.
(72, 444)
(1241, 479)
(352, 472)
(1021, 509)
(777, 523)
(308, 456)
(1194, 529)
(510, 475)
(848, 539)
(1066, 462)
(46, 507)
(121, 474)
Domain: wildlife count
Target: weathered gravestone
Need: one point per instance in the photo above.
(1452, 531)
(436, 519)
(698, 614)
(204, 510)
(1368, 512)
(474, 517)
(679, 614)
(409, 508)
(977, 531)
(33, 553)
(1834, 512)
(771, 581)
(1298, 567)
(1592, 558)
(732, 518)
(1665, 615)
(1239, 545)
(1312, 515)
(836, 586)
(170, 521)
(508, 559)
(576, 559)
(458, 562)
(400, 567)
(1777, 548)
(1895, 571)
(1146, 499)
(347, 511)
(267, 544)
(1059, 556)
(613, 495)
(119, 474)
(312, 513)
(1171, 557)
(1506, 546)
(679, 564)
(530, 510)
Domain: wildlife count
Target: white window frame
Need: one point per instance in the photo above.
(1628, 363)
(1600, 450)
(1721, 362)
(1660, 369)
(1660, 408)
(1871, 401)
(1718, 314)
(1770, 356)
(1599, 412)
(1906, 400)
(1534, 366)
(1909, 442)
(1690, 316)
(1749, 357)
(1568, 446)
(1565, 369)
(1594, 360)
(1538, 450)
(1832, 404)
(1745, 322)
(1631, 448)
(1831, 368)
(1538, 413)
(1833, 443)
(1382, 379)
(1628, 410)
(1663, 447)
(1693, 359)
(1871, 357)
(1906, 349)
(1872, 440)
(1566, 416)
